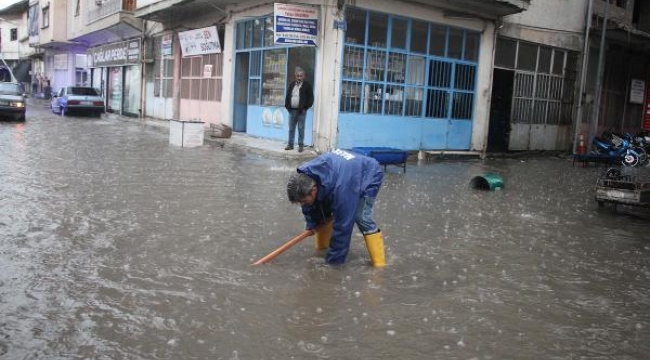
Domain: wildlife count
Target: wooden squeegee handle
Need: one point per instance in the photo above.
(305, 234)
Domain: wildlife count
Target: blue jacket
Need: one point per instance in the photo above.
(342, 179)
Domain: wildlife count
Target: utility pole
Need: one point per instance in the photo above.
(593, 125)
(583, 76)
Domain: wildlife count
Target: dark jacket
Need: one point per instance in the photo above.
(306, 96)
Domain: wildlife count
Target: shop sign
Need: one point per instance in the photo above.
(200, 41)
(116, 54)
(166, 45)
(295, 24)
(637, 91)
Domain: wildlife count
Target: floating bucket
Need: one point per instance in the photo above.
(488, 181)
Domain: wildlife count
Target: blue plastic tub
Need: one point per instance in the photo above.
(384, 155)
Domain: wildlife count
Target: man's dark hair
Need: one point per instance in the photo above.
(299, 186)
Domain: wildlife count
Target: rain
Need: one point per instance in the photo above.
(116, 245)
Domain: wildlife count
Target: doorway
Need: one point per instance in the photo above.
(500, 108)
(241, 92)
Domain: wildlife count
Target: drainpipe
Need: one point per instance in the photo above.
(583, 76)
(593, 125)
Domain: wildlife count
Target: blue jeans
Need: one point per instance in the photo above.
(340, 246)
(297, 118)
(363, 216)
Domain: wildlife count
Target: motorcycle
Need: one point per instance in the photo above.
(621, 148)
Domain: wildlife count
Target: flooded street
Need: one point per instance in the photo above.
(116, 245)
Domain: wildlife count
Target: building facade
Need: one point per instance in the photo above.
(414, 76)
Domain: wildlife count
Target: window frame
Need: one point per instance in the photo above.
(392, 88)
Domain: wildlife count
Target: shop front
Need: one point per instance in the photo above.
(264, 69)
(116, 71)
(383, 75)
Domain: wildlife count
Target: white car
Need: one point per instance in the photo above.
(78, 99)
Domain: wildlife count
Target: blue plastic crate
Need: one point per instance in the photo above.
(384, 155)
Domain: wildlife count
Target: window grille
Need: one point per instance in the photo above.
(543, 84)
(407, 67)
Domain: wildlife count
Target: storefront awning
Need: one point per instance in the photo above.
(164, 11)
(491, 9)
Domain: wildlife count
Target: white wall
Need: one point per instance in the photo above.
(559, 23)
(13, 50)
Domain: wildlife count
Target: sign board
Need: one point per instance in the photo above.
(199, 41)
(637, 91)
(166, 45)
(295, 24)
(115, 54)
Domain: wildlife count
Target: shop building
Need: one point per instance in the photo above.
(409, 75)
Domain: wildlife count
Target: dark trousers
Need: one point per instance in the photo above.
(297, 118)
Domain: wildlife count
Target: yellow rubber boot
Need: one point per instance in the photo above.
(323, 235)
(375, 246)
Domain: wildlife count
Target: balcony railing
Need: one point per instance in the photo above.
(103, 8)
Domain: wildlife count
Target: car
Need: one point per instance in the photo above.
(12, 101)
(78, 99)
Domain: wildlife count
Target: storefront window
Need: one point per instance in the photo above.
(432, 75)
(455, 49)
(274, 76)
(269, 33)
(356, 33)
(270, 66)
(419, 37)
(398, 33)
(378, 29)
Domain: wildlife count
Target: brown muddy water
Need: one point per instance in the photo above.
(116, 245)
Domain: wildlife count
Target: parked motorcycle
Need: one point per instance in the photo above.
(621, 148)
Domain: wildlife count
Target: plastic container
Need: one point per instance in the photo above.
(487, 181)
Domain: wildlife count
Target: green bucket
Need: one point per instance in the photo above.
(487, 181)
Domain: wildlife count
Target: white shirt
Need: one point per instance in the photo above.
(295, 96)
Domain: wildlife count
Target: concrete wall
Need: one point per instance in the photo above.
(559, 23)
(12, 50)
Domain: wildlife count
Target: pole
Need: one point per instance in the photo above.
(599, 77)
(583, 77)
(305, 234)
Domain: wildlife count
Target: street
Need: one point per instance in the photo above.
(116, 245)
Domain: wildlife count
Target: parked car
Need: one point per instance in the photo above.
(12, 101)
(79, 99)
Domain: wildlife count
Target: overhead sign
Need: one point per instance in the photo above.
(115, 54)
(295, 24)
(199, 41)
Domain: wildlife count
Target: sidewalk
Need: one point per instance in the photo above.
(236, 141)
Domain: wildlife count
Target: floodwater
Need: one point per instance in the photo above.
(116, 245)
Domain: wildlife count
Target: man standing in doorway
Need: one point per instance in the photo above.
(300, 97)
